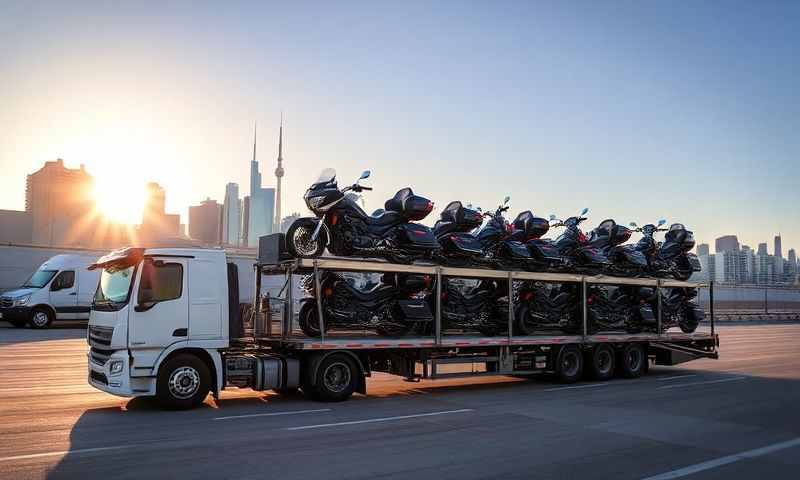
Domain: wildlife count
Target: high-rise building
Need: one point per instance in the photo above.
(778, 252)
(707, 268)
(60, 203)
(762, 249)
(765, 267)
(157, 224)
(261, 211)
(205, 222)
(702, 249)
(727, 243)
(245, 220)
(748, 265)
(728, 266)
(232, 216)
(278, 176)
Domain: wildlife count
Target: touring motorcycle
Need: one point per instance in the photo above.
(346, 229)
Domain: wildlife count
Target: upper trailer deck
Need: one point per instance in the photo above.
(287, 336)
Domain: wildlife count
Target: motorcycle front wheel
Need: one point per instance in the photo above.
(299, 242)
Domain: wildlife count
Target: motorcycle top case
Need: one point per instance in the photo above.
(412, 207)
(414, 235)
(534, 227)
(462, 216)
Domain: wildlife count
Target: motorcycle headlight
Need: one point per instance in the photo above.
(22, 301)
(316, 202)
(115, 367)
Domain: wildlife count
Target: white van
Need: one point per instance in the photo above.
(61, 289)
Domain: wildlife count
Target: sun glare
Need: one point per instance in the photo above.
(120, 202)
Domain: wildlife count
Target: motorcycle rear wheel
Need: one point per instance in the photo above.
(309, 320)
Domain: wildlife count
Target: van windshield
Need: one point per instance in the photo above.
(114, 286)
(40, 278)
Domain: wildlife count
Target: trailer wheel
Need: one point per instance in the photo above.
(569, 364)
(41, 318)
(183, 382)
(601, 362)
(337, 377)
(632, 360)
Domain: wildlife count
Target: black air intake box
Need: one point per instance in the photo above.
(272, 249)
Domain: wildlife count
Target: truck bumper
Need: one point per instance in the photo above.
(119, 383)
(15, 313)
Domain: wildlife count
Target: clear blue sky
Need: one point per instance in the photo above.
(638, 110)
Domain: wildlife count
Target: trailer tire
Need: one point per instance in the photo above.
(41, 318)
(337, 377)
(632, 360)
(569, 364)
(601, 362)
(183, 382)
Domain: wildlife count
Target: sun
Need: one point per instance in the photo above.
(120, 201)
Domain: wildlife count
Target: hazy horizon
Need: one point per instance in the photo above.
(638, 111)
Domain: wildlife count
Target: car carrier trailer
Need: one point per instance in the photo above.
(205, 343)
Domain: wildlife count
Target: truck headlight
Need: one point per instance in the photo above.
(115, 367)
(22, 301)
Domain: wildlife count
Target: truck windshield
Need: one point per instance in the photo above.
(40, 278)
(114, 286)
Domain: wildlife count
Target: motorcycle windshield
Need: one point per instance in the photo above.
(326, 176)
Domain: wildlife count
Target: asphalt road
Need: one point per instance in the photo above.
(737, 417)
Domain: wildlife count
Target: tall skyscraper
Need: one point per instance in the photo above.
(762, 249)
(702, 249)
(727, 243)
(778, 252)
(278, 175)
(792, 258)
(59, 201)
(261, 210)
(204, 222)
(231, 216)
(157, 224)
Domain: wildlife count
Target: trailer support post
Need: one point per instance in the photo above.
(658, 304)
(257, 300)
(585, 306)
(438, 314)
(711, 304)
(288, 306)
(318, 295)
(510, 306)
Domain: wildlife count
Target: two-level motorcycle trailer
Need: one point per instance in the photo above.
(333, 366)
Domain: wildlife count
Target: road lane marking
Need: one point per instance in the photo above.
(592, 385)
(64, 452)
(382, 419)
(707, 382)
(676, 377)
(273, 414)
(718, 462)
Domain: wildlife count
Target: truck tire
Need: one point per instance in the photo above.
(183, 382)
(40, 318)
(600, 362)
(336, 378)
(569, 364)
(632, 360)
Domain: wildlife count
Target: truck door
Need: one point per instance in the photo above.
(160, 314)
(64, 295)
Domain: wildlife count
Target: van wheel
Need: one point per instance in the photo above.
(632, 360)
(41, 318)
(601, 362)
(569, 364)
(337, 377)
(183, 382)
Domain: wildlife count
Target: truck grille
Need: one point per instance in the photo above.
(100, 336)
(6, 302)
(98, 377)
(100, 356)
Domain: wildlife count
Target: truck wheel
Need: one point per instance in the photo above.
(41, 318)
(601, 362)
(298, 239)
(632, 360)
(569, 364)
(183, 382)
(337, 377)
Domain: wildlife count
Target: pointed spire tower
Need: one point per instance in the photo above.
(278, 176)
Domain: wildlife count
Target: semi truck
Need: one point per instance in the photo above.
(170, 323)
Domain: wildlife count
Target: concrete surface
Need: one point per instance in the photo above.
(737, 417)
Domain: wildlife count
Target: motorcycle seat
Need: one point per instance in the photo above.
(379, 291)
(384, 219)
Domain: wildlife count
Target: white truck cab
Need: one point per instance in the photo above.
(62, 288)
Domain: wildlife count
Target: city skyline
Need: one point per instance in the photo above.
(701, 122)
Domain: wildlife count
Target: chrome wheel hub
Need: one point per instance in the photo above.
(336, 377)
(303, 243)
(184, 382)
(40, 319)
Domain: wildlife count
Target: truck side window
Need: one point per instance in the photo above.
(160, 282)
(65, 279)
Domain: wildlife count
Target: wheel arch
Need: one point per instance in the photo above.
(313, 361)
(45, 306)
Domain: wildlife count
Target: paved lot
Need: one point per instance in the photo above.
(702, 416)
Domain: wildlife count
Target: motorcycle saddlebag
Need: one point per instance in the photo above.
(543, 249)
(416, 309)
(648, 317)
(416, 236)
(696, 312)
(462, 243)
(514, 249)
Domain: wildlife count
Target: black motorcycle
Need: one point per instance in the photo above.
(679, 308)
(578, 252)
(391, 308)
(347, 230)
(460, 248)
(472, 305)
(541, 307)
(495, 238)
